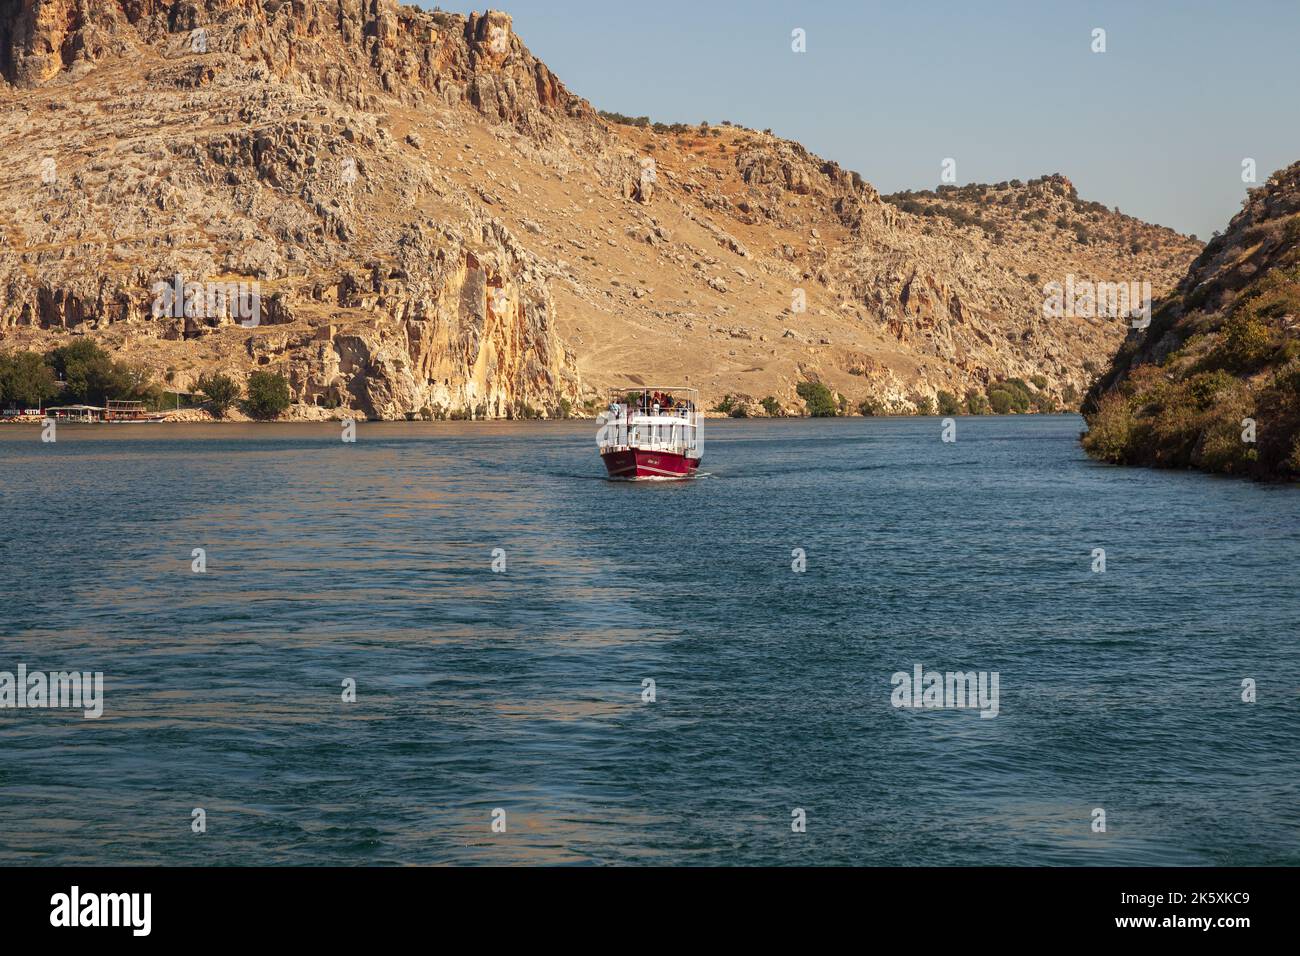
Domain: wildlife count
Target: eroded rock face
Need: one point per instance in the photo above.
(247, 149)
(434, 223)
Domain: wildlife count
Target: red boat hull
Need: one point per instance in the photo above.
(637, 463)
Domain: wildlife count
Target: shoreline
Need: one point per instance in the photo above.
(360, 419)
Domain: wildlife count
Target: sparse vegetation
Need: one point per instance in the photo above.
(641, 122)
(268, 394)
(1215, 383)
(818, 399)
(870, 407)
(221, 391)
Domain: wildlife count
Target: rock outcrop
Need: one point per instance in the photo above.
(1214, 382)
(433, 224)
(242, 143)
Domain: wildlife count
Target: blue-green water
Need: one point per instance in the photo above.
(523, 690)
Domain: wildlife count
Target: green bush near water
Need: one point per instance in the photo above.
(870, 406)
(222, 391)
(1199, 422)
(268, 394)
(818, 399)
(91, 376)
(26, 381)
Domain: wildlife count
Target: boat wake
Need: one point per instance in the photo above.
(646, 479)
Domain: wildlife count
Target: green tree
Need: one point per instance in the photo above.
(818, 399)
(771, 406)
(976, 404)
(1012, 395)
(268, 394)
(999, 401)
(25, 380)
(924, 405)
(1044, 403)
(222, 391)
(948, 404)
(90, 374)
(1247, 341)
(1110, 430)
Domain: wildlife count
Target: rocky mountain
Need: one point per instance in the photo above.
(429, 222)
(1214, 382)
(1045, 222)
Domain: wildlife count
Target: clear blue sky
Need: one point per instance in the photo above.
(1158, 124)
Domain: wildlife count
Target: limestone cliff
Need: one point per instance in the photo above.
(432, 222)
(242, 142)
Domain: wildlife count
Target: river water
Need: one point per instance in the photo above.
(522, 694)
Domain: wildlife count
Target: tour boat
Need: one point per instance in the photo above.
(652, 433)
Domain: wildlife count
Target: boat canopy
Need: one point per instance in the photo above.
(668, 420)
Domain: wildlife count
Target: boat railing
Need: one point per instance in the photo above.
(671, 431)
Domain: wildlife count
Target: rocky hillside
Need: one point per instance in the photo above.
(1044, 221)
(432, 222)
(1214, 383)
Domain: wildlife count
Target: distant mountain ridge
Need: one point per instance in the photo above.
(438, 226)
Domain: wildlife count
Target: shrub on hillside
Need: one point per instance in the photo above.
(999, 401)
(1044, 404)
(818, 399)
(1245, 341)
(222, 391)
(268, 394)
(948, 404)
(1110, 429)
(1011, 395)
